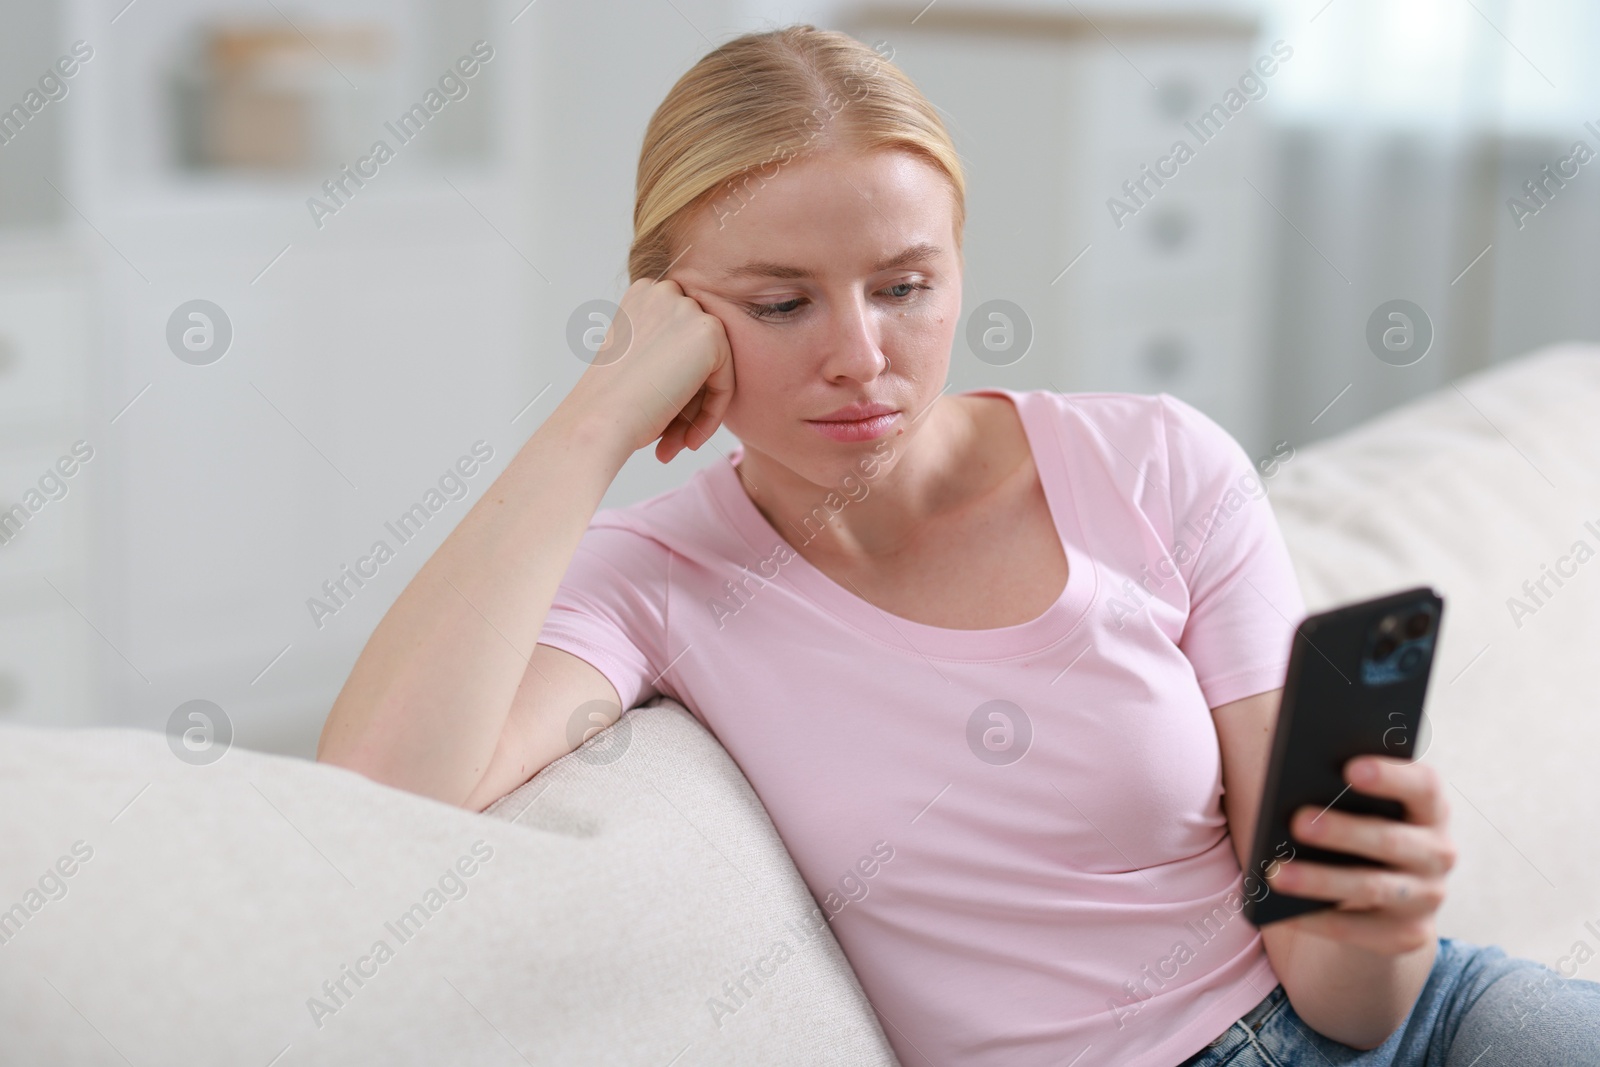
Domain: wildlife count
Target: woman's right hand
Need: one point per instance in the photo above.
(673, 378)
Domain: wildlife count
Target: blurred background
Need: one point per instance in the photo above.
(239, 345)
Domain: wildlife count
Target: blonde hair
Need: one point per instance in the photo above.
(763, 100)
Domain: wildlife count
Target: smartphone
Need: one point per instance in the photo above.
(1355, 685)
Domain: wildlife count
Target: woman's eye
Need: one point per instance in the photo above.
(783, 310)
(788, 308)
(906, 285)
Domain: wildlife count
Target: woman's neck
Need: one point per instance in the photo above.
(958, 452)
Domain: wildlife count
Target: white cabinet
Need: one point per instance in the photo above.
(366, 355)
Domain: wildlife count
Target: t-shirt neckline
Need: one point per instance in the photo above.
(1057, 621)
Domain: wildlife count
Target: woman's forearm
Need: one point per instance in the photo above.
(1343, 991)
(428, 698)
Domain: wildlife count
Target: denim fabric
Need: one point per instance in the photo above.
(1479, 1008)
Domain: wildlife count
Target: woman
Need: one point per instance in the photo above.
(888, 597)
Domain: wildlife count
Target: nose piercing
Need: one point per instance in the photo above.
(886, 364)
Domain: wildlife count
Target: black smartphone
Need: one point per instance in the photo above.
(1355, 685)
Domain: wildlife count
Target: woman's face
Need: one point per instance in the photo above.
(821, 273)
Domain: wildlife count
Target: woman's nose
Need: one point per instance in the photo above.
(853, 348)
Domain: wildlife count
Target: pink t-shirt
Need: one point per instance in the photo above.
(1016, 833)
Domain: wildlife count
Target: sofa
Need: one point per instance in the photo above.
(633, 904)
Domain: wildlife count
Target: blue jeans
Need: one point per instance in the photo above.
(1478, 1008)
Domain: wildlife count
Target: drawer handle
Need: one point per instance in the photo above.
(1165, 357)
(1175, 97)
(10, 693)
(1170, 229)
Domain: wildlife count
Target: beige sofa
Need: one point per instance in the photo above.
(632, 904)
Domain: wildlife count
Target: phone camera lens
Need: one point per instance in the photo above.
(1418, 624)
(1385, 647)
(1409, 659)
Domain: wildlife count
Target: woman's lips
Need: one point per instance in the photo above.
(856, 429)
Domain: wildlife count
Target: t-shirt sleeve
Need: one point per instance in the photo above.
(611, 610)
(1244, 599)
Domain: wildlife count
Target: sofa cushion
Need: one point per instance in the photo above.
(611, 912)
(1476, 489)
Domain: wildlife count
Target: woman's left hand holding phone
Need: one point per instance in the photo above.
(1388, 912)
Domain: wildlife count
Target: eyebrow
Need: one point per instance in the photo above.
(768, 269)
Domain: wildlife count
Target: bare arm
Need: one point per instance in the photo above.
(1355, 994)
(451, 698)
(426, 703)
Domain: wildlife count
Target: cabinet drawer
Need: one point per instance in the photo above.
(43, 340)
(1188, 357)
(1187, 234)
(49, 541)
(45, 669)
(1133, 114)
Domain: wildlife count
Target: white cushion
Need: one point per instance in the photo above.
(1471, 489)
(618, 900)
